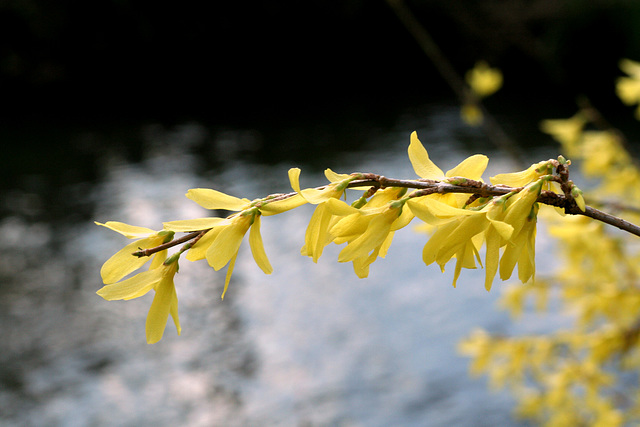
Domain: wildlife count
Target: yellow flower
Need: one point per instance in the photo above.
(165, 301)
(221, 244)
(522, 210)
(521, 250)
(471, 114)
(212, 199)
(483, 79)
(602, 151)
(368, 231)
(459, 232)
(496, 235)
(628, 88)
(566, 131)
(123, 262)
(472, 168)
(317, 234)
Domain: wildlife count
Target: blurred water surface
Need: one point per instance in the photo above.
(310, 344)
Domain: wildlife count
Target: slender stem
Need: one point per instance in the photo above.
(176, 242)
(611, 220)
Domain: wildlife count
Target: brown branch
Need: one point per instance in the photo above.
(172, 243)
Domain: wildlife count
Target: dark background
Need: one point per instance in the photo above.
(309, 80)
(239, 61)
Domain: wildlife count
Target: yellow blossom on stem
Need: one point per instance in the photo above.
(368, 231)
(165, 301)
(123, 262)
(496, 234)
(222, 237)
(472, 168)
(220, 245)
(521, 250)
(459, 233)
(317, 234)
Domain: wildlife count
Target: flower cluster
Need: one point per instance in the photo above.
(463, 212)
(586, 375)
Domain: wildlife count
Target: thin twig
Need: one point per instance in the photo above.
(466, 96)
(172, 243)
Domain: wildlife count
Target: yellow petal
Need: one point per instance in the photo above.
(522, 178)
(173, 311)
(133, 287)
(436, 241)
(527, 260)
(361, 264)
(189, 225)
(276, 207)
(384, 248)
(472, 167)
(468, 228)
(403, 220)
(212, 199)
(316, 236)
(434, 212)
(123, 263)
(422, 165)
(373, 237)
(294, 179)
(226, 244)
(335, 177)
(350, 225)
(257, 247)
(504, 230)
(492, 257)
(161, 306)
(510, 256)
(158, 259)
(340, 208)
(129, 231)
(227, 279)
(316, 196)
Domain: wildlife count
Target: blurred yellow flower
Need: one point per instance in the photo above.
(471, 114)
(628, 88)
(602, 152)
(472, 168)
(483, 79)
(566, 131)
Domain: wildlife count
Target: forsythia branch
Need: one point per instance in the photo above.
(426, 187)
(463, 211)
